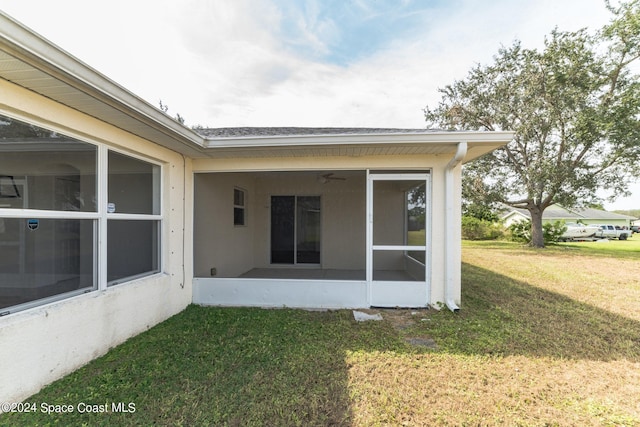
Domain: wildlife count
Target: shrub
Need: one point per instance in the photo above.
(520, 231)
(551, 231)
(480, 229)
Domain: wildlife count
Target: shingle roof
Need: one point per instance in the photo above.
(555, 212)
(552, 212)
(598, 214)
(239, 132)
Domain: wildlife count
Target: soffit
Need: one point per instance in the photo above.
(330, 151)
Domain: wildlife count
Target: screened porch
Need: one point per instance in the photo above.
(269, 236)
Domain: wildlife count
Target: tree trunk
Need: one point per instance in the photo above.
(537, 235)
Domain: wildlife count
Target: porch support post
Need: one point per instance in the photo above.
(369, 239)
(451, 222)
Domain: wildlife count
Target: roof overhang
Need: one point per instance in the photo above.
(34, 63)
(354, 144)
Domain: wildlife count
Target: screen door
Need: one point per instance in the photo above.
(398, 219)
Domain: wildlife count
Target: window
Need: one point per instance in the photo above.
(239, 208)
(42, 258)
(45, 170)
(48, 215)
(133, 225)
(133, 249)
(52, 213)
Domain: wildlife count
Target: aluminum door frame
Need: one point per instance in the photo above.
(398, 293)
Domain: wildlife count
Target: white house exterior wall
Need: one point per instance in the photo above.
(617, 222)
(218, 243)
(516, 216)
(42, 344)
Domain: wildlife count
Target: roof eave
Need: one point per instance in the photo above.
(447, 137)
(479, 142)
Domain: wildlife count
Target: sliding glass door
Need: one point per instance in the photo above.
(295, 229)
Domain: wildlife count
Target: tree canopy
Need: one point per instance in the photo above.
(574, 106)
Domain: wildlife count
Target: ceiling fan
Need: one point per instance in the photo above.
(328, 177)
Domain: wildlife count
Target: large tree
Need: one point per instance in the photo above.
(574, 106)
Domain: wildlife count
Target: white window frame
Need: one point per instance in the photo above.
(106, 216)
(243, 206)
(100, 217)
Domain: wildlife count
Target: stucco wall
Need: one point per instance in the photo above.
(218, 243)
(42, 344)
(618, 222)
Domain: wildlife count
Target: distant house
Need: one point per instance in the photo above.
(558, 213)
(114, 216)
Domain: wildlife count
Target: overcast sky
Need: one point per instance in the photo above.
(371, 63)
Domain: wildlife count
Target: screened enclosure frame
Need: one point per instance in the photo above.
(413, 292)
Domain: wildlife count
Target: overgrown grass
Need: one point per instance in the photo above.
(544, 337)
(624, 249)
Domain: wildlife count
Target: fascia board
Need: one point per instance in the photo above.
(475, 139)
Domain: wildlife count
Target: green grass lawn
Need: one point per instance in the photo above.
(624, 249)
(544, 337)
(617, 248)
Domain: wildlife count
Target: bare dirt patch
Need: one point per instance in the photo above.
(406, 322)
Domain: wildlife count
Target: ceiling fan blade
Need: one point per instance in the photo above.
(329, 176)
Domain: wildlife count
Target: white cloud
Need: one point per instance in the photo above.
(260, 62)
(314, 30)
(239, 63)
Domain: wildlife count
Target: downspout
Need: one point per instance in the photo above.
(450, 225)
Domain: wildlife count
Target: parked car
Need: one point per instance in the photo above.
(635, 228)
(611, 232)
